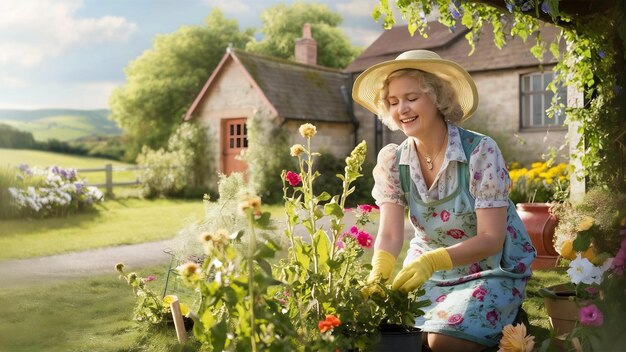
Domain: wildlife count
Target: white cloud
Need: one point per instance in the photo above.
(229, 7)
(362, 36)
(357, 8)
(34, 30)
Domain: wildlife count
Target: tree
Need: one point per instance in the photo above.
(594, 62)
(164, 80)
(282, 26)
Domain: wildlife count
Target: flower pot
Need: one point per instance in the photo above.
(561, 307)
(395, 338)
(540, 225)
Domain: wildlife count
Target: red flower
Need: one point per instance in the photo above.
(364, 239)
(455, 319)
(365, 208)
(150, 278)
(456, 233)
(293, 178)
(445, 215)
(329, 323)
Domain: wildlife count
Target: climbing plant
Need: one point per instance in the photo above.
(592, 61)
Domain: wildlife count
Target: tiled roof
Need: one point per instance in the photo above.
(299, 91)
(453, 46)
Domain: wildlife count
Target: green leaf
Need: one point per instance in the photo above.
(333, 209)
(218, 335)
(324, 196)
(582, 241)
(263, 221)
(323, 248)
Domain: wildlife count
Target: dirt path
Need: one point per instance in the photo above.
(62, 267)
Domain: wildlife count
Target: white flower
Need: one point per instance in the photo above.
(581, 270)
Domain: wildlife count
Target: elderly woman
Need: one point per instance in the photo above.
(470, 250)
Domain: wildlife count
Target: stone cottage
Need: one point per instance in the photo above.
(511, 86)
(288, 93)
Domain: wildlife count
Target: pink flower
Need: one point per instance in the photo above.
(364, 239)
(354, 230)
(455, 319)
(591, 316)
(479, 293)
(293, 178)
(456, 233)
(520, 267)
(365, 208)
(492, 317)
(474, 268)
(441, 298)
(150, 278)
(444, 215)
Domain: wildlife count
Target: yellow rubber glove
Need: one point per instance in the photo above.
(382, 266)
(421, 269)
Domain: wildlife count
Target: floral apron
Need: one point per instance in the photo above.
(476, 301)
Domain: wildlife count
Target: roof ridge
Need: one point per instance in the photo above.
(285, 61)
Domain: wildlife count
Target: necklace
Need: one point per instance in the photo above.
(429, 160)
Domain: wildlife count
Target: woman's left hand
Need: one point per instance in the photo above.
(421, 269)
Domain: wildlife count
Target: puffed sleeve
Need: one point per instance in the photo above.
(387, 187)
(489, 183)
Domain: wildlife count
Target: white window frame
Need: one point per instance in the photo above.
(535, 99)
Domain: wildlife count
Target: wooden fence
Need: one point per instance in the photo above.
(108, 172)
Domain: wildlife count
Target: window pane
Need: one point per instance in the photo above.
(232, 143)
(537, 113)
(245, 129)
(238, 142)
(525, 83)
(238, 129)
(232, 130)
(245, 142)
(547, 78)
(536, 83)
(525, 111)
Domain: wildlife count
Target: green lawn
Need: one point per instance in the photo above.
(117, 222)
(92, 314)
(39, 158)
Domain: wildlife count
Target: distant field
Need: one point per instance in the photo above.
(64, 125)
(43, 159)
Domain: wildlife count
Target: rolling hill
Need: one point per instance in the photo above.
(62, 124)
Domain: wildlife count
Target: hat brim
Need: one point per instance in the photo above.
(368, 84)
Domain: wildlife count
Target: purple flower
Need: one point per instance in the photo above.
(478, 176)
(520, 267)
(591, 316)
(544, 7)
(602, 54)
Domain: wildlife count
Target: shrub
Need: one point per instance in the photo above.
(51, 192)
(267, 156)
(163, 173)
(8, 179)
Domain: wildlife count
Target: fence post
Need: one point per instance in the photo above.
(108, 169)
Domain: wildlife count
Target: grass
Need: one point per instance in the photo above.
(95, 314)
(14, 157)
(117, 222)
(92, 314)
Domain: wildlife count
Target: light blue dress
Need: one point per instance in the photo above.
(476, 301)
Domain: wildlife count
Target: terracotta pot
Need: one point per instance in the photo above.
(540, 225)
(561, 308)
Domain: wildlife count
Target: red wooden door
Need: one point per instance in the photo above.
(234, 141)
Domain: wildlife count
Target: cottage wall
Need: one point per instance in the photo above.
(335, 138)
(232, 96)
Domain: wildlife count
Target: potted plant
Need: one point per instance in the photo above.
(535, 191)
(592, 234)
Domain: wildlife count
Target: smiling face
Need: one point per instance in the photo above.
(411, 108)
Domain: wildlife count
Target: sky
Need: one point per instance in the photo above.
(72, 53)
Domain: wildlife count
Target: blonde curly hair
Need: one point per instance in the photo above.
(437, 89)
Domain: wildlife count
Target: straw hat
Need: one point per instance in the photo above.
(369, 83)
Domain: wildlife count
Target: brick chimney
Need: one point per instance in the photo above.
(306, 47)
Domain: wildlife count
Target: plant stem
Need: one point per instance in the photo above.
(251, 250)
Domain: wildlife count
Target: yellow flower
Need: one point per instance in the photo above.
(514, 339)
(585, 224)
(590, 253)
(307, 130)
(252, 203)
(167, 300)
(567, 250)
(297, 149)
(184, 310)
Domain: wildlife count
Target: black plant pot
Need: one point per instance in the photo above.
(397, 338)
